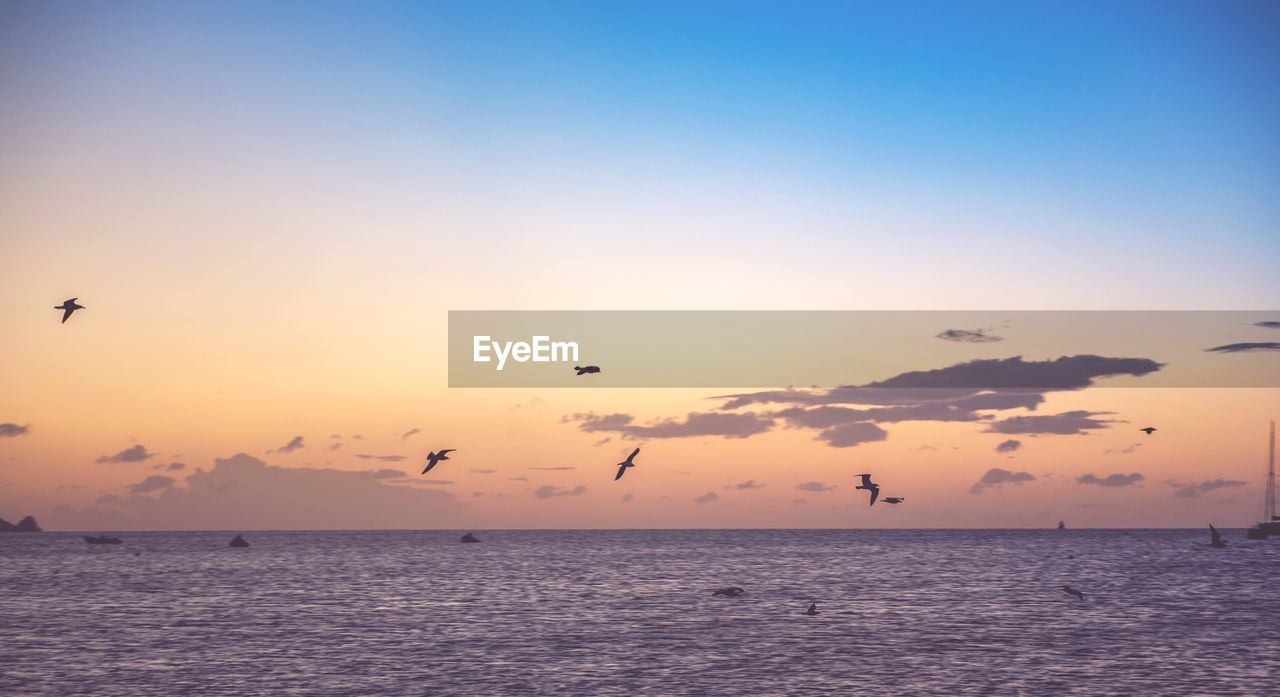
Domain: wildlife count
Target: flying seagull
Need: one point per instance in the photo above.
(869, 486)
(1071, 591)
(1217, 537)
(67, 308)
(1148, 430)
(434, 458)
(622, 466)
(731, 592)
(584, 369)
(813, 609)
(894, 499)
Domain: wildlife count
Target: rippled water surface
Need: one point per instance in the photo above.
(627, 613)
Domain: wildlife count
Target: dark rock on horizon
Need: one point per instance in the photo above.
(27, 524)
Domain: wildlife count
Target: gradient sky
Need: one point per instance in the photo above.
(268, 209)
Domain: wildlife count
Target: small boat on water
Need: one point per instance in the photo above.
(469, 538)
(102, 540)
(239, 541)
(1062, 525)
(1270, 524)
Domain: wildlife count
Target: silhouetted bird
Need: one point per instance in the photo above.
(1148, 430)
(1217, 537)
(869, 486)
(813, 609)
(731, 592)
(1071, 591)
(583, 370)
(893, 499)
(434, 458)
(67, 308)
(622, 466)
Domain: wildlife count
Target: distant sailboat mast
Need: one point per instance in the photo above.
(1270, 515)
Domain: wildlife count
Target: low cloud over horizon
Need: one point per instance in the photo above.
(997, 477)
(1112, 480)
(136, 453)
(242, 492)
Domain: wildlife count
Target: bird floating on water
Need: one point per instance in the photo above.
(584, 369)
(1148, 430)
(813, 609)
(1071, 591)
(434, 458)
(893, 499)
(869, 486)
(730, 592)
(68, 307)
(622, 466)
(1217, 537)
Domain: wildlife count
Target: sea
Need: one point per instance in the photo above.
(901, 612)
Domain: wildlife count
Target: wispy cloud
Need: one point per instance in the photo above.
(815, 486)
(410, 432)
(1009, 446)
(749, 484)
(1066, 423)
(10, 430)
(156, 482)
(969, 336)
(294, 444)
(693, 425)
(136, 453)
(1247, 346)
(1111, 480)
(553, 469)
(382, 458)
(708, 497)
(1191, 491)
(546, 492)
(996, 477)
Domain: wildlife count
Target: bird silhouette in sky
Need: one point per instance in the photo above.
(1217, 537)
(1071, 591)
(584, 369)
(1148, 430)
(435, 458)
(894, 499)
(67, 308)
(869, 486)
(629, 462)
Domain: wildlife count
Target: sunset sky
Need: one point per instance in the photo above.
(269, 209)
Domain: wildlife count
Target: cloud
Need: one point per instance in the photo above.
(1064, 424)
(626, 498)
(1268, 325)
(109, 499)
(553, 469)
(384, 474)
(137, 453)
(480, 471)
(410, 432)
(1064, 373)
(244, 493)
(335, 446)
(383, 458)
(815, 486)
(708, 497)
(999, 477)
(295, 444)
(1247, 346)
(969, 336)
(1127, 450)
(546, 492)
(156, 482)
(8, 430)
(171, 467)
(850, 435)
(749, 484)
(695, 424)
(1111, 480)
(1009, 446)
(1191, 491)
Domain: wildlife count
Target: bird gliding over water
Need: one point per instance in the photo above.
(67, 308)
(434, 458)
(622, 466)
(869, 486)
